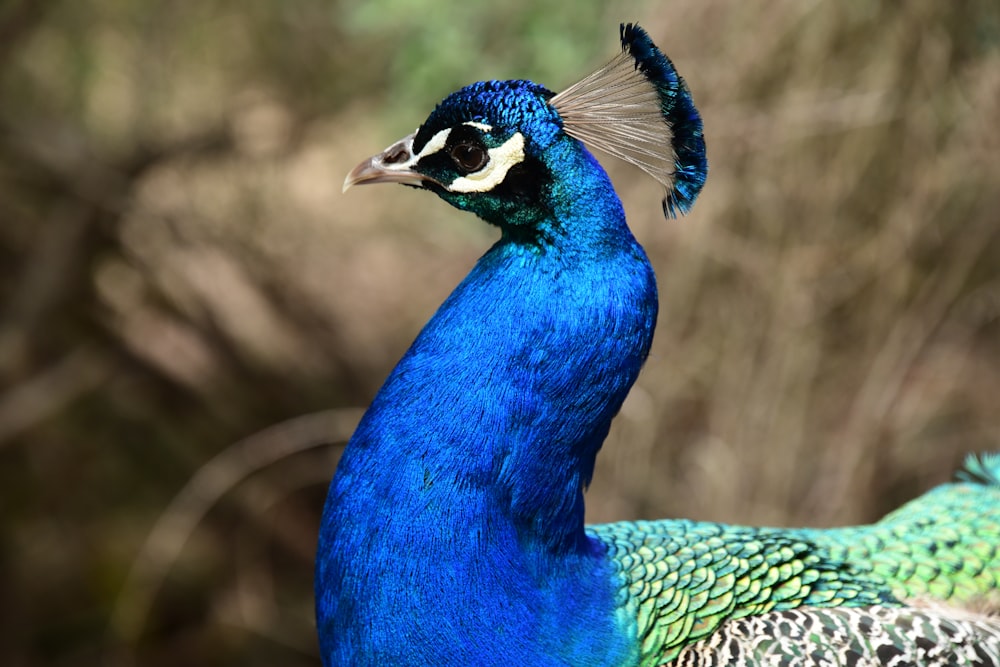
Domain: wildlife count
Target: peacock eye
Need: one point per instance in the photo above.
(469, 157)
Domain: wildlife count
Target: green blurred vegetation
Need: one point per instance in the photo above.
(191, 314)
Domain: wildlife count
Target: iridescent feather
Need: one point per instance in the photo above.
(683, 582)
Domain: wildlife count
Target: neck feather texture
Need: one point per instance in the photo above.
(469, 467)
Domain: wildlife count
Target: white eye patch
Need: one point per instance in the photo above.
(501, 159)
(436, 143)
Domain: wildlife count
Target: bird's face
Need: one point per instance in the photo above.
(502, 149)
(482, 150)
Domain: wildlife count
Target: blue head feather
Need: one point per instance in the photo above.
(502, 104)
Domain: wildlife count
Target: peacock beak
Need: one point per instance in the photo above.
(393, 165)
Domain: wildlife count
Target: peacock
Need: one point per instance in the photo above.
(453, 532)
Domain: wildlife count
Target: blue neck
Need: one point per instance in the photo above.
(469, 467)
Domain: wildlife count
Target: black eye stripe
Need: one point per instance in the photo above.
(464, 134)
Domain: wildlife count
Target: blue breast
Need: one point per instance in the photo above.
(456, 513)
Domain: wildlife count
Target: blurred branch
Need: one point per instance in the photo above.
(206, 487)
(254, 601)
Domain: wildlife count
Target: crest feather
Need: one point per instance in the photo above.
(638, 109)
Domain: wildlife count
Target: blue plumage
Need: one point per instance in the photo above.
(453, 532)
(468, 469)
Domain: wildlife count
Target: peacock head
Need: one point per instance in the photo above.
(487, 147)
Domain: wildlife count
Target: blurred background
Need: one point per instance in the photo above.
(192, 315)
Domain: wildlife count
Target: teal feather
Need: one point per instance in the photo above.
(681, 581)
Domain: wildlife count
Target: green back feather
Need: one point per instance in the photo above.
(680, 580)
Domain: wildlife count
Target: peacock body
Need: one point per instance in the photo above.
(453, 532)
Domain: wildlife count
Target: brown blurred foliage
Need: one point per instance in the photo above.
(191, 314)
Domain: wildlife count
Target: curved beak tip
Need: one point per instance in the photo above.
(393, 165)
